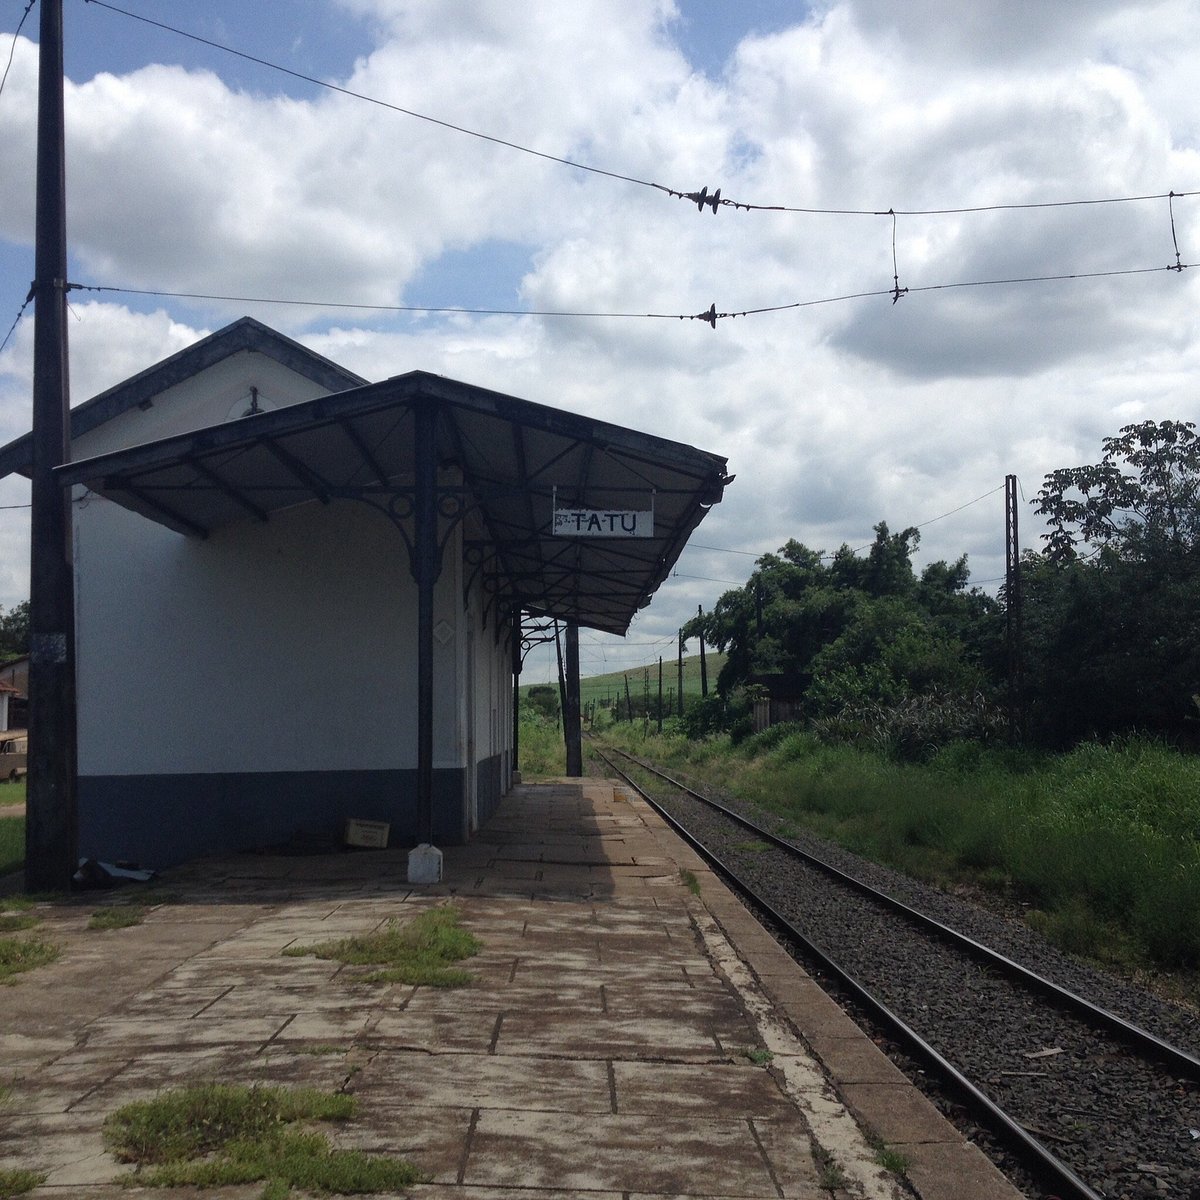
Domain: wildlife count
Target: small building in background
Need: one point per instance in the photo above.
(14, 693)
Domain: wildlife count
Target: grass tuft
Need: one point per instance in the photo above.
(12, 844)
(217, 1135)
(690, 881)
(891, 1160)
(24, 954)
(117, 916)
(14, 922)
(18, 1182)
(420, 951)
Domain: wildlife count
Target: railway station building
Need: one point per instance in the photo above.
(299, 595)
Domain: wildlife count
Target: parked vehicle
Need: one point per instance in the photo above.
(14, 751)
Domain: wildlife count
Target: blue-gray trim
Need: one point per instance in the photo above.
(244, 334)
(161, 820)
(489, 785)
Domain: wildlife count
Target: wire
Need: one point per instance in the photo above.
(13, 48)
(16, 320)
(708, 579)
(761, 553)
(710, 317)
(998, 488)
(943, 212)
(408, 112)
(702, 199)
(395, 308)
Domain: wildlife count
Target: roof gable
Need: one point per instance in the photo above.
(242, 335)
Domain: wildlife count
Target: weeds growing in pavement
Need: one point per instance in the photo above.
(831, 1174)
(217, 1135)
(419, 951)
(890, 1159)
(18, 1183)
(690, 881)
(117, 916)
(24, 954)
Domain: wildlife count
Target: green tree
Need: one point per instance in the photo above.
(543, 698)
(851, 631)
(1112, 608)
(14, 631)
(1139, 501)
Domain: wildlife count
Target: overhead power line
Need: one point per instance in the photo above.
(710, 317)
(13, 48)
(761, 553)
(702, 198)
(16, 320)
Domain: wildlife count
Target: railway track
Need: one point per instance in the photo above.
(1092, 1104)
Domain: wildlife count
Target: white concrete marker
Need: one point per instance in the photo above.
(425, 864)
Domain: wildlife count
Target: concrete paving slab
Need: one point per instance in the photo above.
(590, 1035)
(898, 1113)
(434, 1139)
(942, 1171)
(485, 1081)
(712, 1091)
(703, 1158)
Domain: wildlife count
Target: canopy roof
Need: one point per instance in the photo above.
(514, 457)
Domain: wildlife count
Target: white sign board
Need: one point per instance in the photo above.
(603, 523)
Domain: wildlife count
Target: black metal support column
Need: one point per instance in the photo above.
(571, 722)
(516, 701)
(426, 554)
(50, 829)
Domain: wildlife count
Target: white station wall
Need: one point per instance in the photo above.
(285, 646)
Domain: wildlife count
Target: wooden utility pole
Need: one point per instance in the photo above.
(51, 819)
(703, 663)
(660, 694)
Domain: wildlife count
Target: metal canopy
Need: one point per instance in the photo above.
(513, 457)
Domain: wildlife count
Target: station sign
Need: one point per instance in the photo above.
(603, 523)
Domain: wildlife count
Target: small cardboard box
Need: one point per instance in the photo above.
(370, 834)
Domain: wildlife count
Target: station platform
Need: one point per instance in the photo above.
(631, 1031)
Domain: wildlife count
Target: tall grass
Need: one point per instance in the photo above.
(542, 751)
(1101, 845)
(12, 844)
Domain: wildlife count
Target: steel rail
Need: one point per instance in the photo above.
(1064, 1180)
(1174, 1057)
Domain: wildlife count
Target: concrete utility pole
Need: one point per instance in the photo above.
(703, 662)
(51, 821)
(1012, 608)
(681, 672)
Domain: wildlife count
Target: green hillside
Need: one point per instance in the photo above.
(607, 687)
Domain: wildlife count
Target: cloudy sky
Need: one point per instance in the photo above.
(194, 171)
